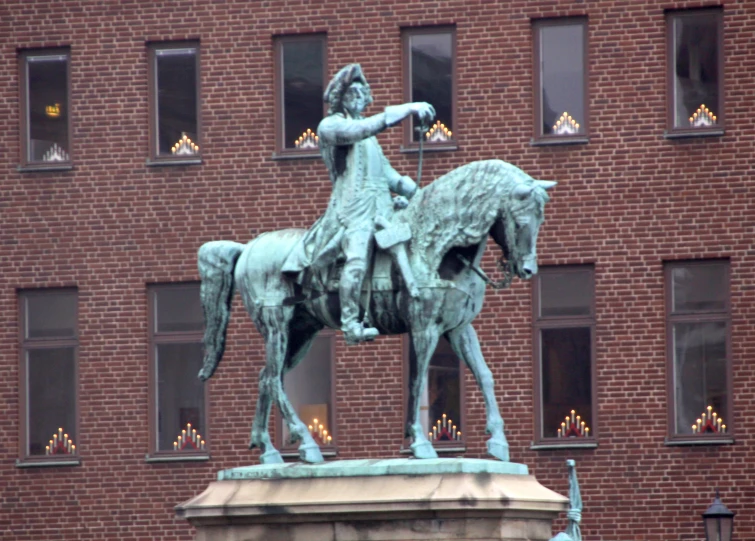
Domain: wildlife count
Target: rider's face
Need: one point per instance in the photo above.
(355, 99)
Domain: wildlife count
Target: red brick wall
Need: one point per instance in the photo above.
(625, 202)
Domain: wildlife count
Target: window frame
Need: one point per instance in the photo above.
(154, 156)
(280, 115)
(156, 338)
(698, 316)
(292, 451)
(25, 121)
(540, 323)
(406, 33)
(544, 138)
(440, 447)
(24, 346)
(671, 17)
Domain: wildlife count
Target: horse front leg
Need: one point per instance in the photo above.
(423, 346)
(465, 344)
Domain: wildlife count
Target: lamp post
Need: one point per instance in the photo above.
(718, 521)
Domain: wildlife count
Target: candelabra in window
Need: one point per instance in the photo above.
(60, 444)
(308, 139)
(709, 423)
(55, 154)
(185, 147)
(320, 432)
(566, 125)
(702, 118)
(189, 440)
(444, 429)
(438, 133)
(573, 427)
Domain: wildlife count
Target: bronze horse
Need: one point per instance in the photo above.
(450, 221)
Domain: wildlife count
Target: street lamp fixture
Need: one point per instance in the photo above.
(718, 521)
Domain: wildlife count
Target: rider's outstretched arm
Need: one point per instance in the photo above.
(337, 130)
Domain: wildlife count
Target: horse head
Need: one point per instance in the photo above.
(518, 223)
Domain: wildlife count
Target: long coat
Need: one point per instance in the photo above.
(362, 181)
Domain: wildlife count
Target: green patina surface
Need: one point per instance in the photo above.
(366, 467)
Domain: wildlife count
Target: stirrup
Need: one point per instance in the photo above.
(356, 333)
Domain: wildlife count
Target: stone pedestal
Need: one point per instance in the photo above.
(376, 500)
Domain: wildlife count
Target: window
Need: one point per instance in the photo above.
(564, 346)
(310, 389)
(430, 75)
(45, 108)
(301, 71)
(442, 402)
(698, 338)
(695, 70)
(561, 82)
(174, 107)
(49, 344)
(178, 398)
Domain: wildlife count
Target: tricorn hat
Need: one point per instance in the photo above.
(340, 82)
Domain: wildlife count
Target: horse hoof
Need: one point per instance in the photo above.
(310, 452)
(498, 449)
(423, 449)
(271, 457)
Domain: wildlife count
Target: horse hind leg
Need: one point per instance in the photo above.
(272, 323)
(465, 344)
(423, 346)
(299, 345)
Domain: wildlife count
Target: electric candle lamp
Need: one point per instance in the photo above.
(175, 446)
(73, 448)
(587, 431)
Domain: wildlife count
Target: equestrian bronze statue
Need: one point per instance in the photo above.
(375, 264)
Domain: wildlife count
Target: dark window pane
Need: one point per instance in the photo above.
(699, 287)
(308, 387)
(176, 76)
(566, 379)
(180, 397)
(52, 315)
(565, 294)
(562, 76)
(52, 401)
(178, 309)
(302, 92)
(431, 64)
(48, 114)
(699, 373)
(696, 84)
(444, 394)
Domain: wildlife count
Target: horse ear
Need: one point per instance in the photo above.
(545, 184)
(522, 191)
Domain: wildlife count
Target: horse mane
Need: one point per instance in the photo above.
(459, 208)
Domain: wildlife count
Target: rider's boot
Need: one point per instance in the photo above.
(350, 291)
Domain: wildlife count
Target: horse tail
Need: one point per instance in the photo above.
(217, 261)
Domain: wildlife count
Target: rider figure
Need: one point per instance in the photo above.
(362, 181)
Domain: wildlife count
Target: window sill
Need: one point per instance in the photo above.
(559, 141)
(328, 452)
(161, 163)
(441, 450)
(283, 156)
(154, 459)
(693, 134)
(427, 147)
(42, 168)
(688, 442)
(47, 463)
(553, 446)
